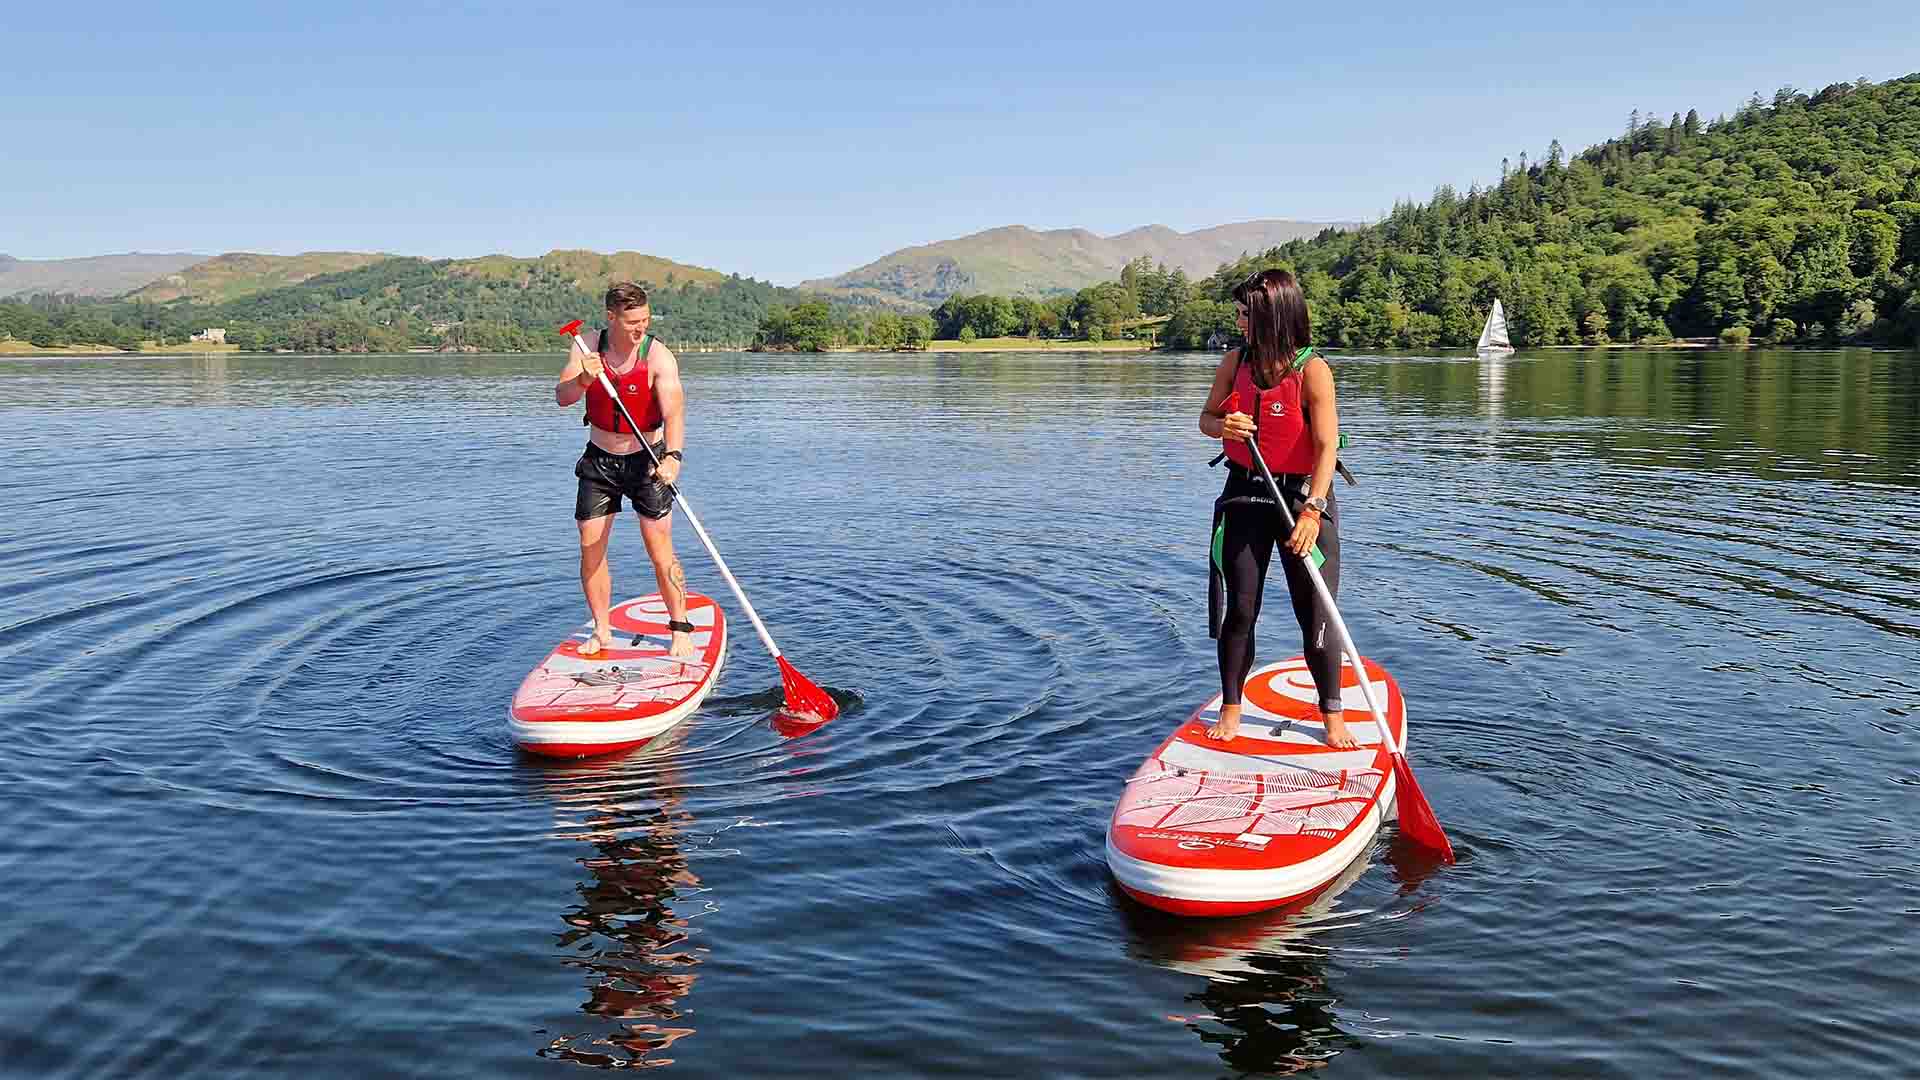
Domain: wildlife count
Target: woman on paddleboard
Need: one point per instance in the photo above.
(1285, 406)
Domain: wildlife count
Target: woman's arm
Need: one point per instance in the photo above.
(1213, 415)
(1317, 394)
(1317, 388)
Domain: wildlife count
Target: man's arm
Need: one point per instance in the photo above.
(580, 371)
(665, 368)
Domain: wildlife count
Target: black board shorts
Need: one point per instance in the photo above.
(605, 477)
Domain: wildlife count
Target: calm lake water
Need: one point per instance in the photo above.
(1657, 617)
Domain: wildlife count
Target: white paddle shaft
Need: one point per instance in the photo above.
(1333, 612)
(738, 592)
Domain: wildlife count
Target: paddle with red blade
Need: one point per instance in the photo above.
(1417, 820)
(802, 696)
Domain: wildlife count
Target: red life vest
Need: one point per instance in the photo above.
(636, 393)
(1279, 422)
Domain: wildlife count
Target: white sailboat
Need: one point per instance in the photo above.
(1493, 337)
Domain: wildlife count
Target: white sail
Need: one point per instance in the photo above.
(1493, 337)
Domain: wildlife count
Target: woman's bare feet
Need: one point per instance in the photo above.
(1227, 726)
(591, 647)
(1337, 733)
(682, 647)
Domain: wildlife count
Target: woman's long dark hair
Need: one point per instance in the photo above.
(1277, 325)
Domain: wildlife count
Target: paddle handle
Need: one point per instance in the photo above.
(739, 593)
(1333, 611)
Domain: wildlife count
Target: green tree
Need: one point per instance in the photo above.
(1876, 242)
(887, 332)
(1857, 322)
(1196, 322)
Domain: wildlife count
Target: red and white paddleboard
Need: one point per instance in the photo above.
(623, 696)
(1269, 818)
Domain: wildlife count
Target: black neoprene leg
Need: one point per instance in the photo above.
(1320, 643)
(1246, 551)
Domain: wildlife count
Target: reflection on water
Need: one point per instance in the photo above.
(633, 934)
(1266, 1005)
(1851, 414)
(1493, 385)
(1657, 617)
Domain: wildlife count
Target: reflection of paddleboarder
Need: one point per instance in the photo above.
(1288, 390)
(635, 949)
(647, 376)
(1268, 1004)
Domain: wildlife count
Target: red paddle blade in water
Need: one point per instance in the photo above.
(1417, 822)
(805, 698)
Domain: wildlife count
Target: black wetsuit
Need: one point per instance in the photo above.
(1250, 526)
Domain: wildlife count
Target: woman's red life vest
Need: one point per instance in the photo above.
(1279, 422)
(635, 392)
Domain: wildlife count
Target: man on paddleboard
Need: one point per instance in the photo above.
(647, 377)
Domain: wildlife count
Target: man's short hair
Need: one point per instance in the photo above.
(626, 296)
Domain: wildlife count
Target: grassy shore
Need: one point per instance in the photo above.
(21, 348)
(1020, 344)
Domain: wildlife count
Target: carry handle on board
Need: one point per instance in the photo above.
(802, 696)
(1417, 820)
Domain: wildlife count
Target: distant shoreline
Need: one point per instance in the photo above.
(190, 348)
(997, 345)
(1038, 345)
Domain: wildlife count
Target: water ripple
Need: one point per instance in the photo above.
(1658, 641)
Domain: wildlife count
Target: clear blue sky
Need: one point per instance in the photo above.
(799, 140)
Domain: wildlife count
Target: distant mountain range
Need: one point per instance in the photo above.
(1017, 261)
(1012, 260)
(99, 275)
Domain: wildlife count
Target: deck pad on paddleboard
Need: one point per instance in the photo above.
(625, 694)
(1206, 827)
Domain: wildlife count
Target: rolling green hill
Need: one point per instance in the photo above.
(241, 273)
(389, 303)
(1017, 261)
(590, 269)
(238, 275)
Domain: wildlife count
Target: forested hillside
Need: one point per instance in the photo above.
(1792, 221)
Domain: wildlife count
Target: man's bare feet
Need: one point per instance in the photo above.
(601, 639)
(682, 647)
(1227, 726)
(1337, 733)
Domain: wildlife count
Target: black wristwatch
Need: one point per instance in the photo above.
(674, 454)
